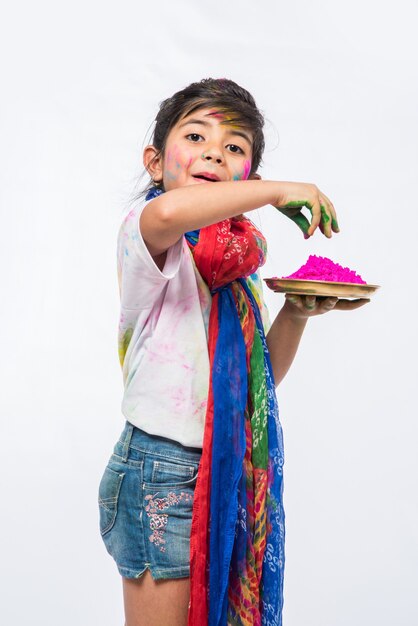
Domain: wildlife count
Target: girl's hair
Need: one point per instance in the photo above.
(229, 98)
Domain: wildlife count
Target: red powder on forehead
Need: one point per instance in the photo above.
(216, 114)
(321, 268)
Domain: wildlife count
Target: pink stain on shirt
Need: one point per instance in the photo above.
(179, 398)
(322, 268)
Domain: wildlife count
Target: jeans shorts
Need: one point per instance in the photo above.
(146, 501)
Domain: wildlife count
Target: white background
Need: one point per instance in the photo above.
(81, 85)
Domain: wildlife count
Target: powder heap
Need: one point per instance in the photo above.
(321, 268)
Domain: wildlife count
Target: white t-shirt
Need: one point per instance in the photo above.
(162, 337)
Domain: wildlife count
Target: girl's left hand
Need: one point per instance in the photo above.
(308, 306)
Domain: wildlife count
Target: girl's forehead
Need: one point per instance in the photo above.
(214, 115)
(222, 116)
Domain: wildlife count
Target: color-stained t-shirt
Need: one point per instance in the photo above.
(162, 337)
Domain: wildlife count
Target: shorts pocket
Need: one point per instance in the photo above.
(109, 490)
(169, 474)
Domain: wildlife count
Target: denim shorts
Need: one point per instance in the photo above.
(146, 501)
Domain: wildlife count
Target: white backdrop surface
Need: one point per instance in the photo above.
(81, 86)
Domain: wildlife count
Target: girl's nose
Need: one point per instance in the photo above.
(213, 154)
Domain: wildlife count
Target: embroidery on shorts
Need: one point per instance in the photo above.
(158, 521)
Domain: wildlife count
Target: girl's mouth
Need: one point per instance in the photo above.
(206, 176)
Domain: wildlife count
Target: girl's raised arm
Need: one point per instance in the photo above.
(166, 218)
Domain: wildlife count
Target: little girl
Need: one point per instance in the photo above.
(191, 500)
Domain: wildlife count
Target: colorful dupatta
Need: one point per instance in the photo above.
(238, 524)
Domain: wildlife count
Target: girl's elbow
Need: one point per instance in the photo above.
(157, 224)
(160, 211)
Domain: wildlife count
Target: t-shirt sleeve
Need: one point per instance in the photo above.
(140, 281)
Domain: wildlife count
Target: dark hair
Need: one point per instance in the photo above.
(227, 97)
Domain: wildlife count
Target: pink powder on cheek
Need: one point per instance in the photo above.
(175, 152)
(181, 159)
(175, 163)
(246, 172)
(322, 268)
(247, 169)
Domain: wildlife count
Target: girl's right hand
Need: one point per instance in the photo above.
(293, 197)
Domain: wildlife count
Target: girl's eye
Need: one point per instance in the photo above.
(193, 137)
(237, 149)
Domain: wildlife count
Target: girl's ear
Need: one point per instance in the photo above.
(152, 160)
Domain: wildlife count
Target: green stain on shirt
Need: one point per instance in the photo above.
(123, 346)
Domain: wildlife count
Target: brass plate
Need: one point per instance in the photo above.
(321, 288)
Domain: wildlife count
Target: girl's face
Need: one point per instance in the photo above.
(200, 148)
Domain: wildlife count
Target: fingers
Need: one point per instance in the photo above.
(327, 221)
(321, 208)
(327, 215)
(327, 304)
(310, 303)
(302, 222)
(305, 304)
(313, 305)
(350, 305)
(333, 213)
(319, 304)
(315, 209)
(323, 215)
(295, 300)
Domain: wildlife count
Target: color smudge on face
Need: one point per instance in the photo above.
(322, 268)
(247, 169)
(178, 160)
(244, 175)
(227, 117)
(173, 163)
(218, 115)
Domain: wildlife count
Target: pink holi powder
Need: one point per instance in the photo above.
(321, 268)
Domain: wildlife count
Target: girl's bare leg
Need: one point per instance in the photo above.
(151, 602)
